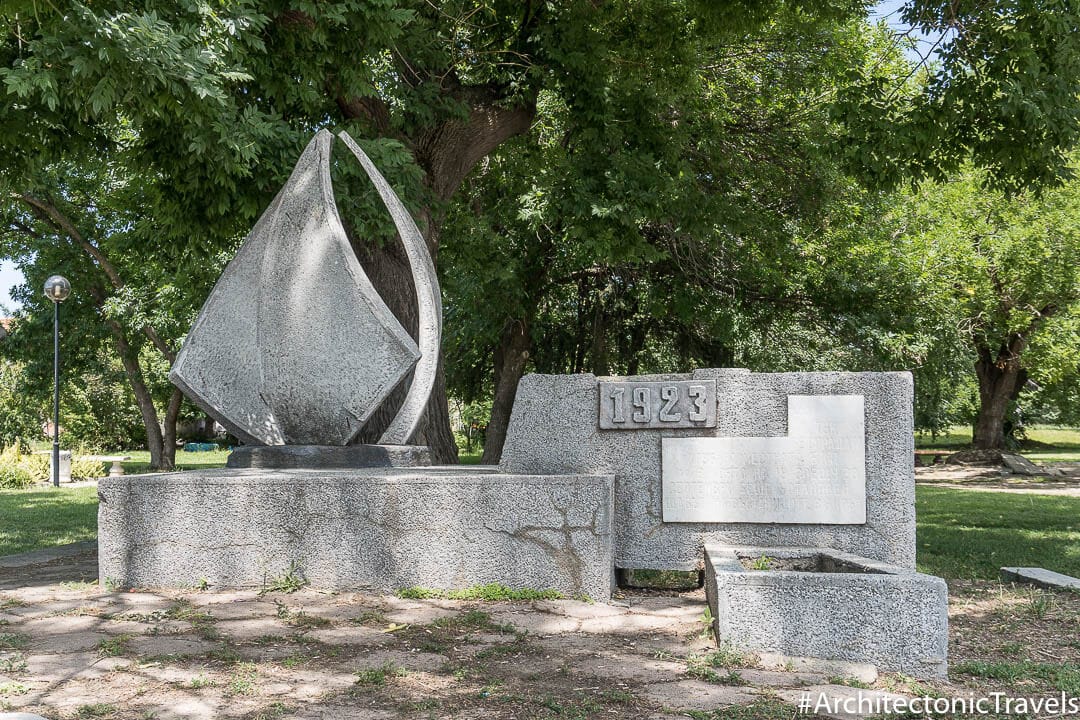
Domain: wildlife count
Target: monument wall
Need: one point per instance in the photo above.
(731, 457)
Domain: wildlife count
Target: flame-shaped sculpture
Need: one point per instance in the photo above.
(294, 346)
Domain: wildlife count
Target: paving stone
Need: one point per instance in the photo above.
(238, 609)
(1040, 577)
(863, 672)
(400, 658)
(779, 678)
(625, 666)
(251, 629)
(162, 645)
(351, 635)
(697, 695)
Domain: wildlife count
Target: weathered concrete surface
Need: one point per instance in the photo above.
(1040, 577)
(554, 429)
(428, 305)
(324, 457)
(852, 609)
(377, 528)
(294, 345)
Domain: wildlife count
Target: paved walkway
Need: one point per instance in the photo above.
(70, 649)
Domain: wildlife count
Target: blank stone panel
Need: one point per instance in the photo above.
(815, 475)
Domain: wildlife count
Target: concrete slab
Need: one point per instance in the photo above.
(1040, 577)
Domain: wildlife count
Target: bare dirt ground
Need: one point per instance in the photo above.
(969, 477)
(70, 649)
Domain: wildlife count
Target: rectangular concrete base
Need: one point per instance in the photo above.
(823, 603)
(380, 528)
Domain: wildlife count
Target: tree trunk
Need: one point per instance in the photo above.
(145, 401)
(172, 412)
(999, 383)
(388, 268)
(447, 153)
(510, 359)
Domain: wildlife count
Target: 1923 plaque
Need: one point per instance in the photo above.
(658, 405)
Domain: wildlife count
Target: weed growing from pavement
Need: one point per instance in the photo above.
(492, 593)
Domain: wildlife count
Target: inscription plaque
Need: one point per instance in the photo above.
(816, 474)
(653, 405)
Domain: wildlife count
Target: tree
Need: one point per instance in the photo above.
(209, 102)
(713, 227)
(1001, 275)
(86, 221)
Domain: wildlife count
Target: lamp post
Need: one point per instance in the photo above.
(57, 288)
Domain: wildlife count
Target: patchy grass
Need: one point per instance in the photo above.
(40, 518)
(493, 593)
(378, 676)
(290, 580)
(13, 641)
(114, 646)
(299, 618)
(242, 680)
(958, 436)
(768, 709)
(1063, 677)
(970, 534)
(1013, 638)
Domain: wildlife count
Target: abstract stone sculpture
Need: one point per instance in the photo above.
(294, 346)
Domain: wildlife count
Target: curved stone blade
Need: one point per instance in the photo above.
(294, 345)
(428, 300)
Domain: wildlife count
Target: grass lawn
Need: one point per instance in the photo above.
(38, 518)
(1052, 443)
(971, 533)
(140, 460)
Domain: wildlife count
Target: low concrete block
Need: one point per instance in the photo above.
(380, 528)
(556, 428)
(1040, 577)
(834, 606)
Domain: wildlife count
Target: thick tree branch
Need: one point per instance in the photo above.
(48, 212)
(450, 150)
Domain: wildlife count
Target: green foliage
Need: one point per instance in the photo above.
(16, 468)
(20, 416)
(86, 469)
(15, 476)
(291, 580)
(1001, 91)
(995, 276)
(379, 675)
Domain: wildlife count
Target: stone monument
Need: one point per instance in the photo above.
(293, 352)
(793, 493)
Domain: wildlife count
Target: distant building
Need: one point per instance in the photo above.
(5, 326)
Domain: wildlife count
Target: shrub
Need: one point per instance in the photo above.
(12, 473)
(14, 476)
(83, 469)
(37, 465)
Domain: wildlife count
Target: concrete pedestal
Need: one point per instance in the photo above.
(823, 603)
(379, 528)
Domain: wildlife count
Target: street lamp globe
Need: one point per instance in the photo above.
(57, 288)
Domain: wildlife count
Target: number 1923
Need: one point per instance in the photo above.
(671, 404)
